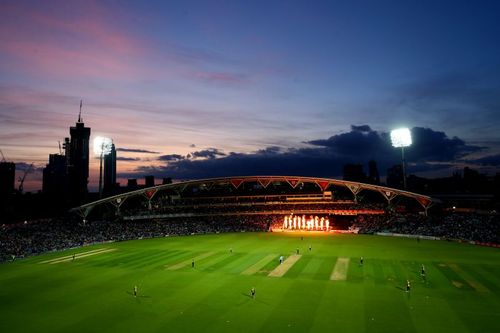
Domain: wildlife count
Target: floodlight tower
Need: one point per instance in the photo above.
(401, 138)
(102, 147)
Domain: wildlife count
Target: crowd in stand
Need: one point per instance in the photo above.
(158, 209)
(56, 234)
(469, 227)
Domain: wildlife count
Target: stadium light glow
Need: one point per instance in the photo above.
(401, 137)
(102, 145)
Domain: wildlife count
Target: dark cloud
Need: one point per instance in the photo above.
(132, 150)
(171, 157)
(362, 128)
(426, 167)
(245, 164)
(360, 141)
(270, 150)
(431, 150)
(128, 159)
(429, 145)
(492, 160)
(207, 153)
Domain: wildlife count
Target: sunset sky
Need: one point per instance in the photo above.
(190, 89)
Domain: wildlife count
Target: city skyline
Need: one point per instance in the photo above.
(190, 90)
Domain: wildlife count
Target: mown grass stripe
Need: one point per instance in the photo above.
(202, 264)
(135, 257)
(189, 262)
(469, 279)
(148, 259)
(160, 260)
(339, 272)
(324, 269)
(285, 266)
(378, 272)
(182, 256)
(71, 256)
(81, 256)
(453, 278)
(299, 268)
(108, 261)
(259, 265)
(242, 263)
(298, 318)
(219, 265)
(355, 272)
(377, 317)
(491, 282)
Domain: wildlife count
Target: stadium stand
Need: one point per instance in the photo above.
(245, 205)
(41, 236)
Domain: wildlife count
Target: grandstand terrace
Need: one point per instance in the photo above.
(247, 204)
(256, 195)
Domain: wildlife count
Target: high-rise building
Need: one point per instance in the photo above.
(149, 181)
(132, 184)
(395, 176)
(354, 172)
(55, 176)
(7, 178)
(78, 168)
(373, 175)
(109, 179)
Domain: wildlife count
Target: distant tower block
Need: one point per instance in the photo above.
(109, 187)
(55, 180)
(78, 167)
(132, 184)
(150, 181)
(7, 178)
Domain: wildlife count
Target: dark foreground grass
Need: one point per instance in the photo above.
(95, 293)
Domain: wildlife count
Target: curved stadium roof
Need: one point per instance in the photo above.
(293, 181)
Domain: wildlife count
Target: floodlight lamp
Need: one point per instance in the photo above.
(401, 138)
(102, 145)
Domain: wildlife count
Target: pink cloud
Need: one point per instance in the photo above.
(93, 27)
(51, 45)
(90, 40)
(87, 20)
(54, 60)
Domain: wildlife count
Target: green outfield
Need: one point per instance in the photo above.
(324, 289)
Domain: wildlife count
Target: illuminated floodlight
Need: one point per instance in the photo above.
(401, 137)
(102, 146)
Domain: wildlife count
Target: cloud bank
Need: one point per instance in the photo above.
(431, 150)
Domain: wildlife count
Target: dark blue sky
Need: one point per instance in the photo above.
(237, 77)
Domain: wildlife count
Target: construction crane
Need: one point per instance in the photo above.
(3, 157)
(21, 179)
